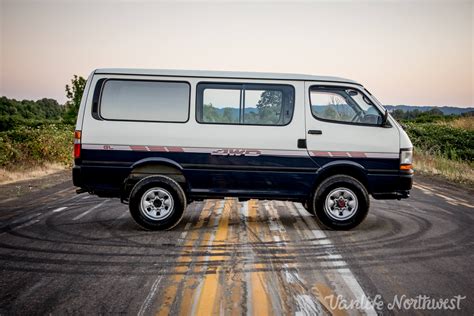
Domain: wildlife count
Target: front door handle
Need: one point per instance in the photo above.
(315, 132)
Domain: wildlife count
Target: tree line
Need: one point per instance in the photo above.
(429, 116)
(14, 113)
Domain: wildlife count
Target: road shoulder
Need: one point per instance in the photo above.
(14, 190)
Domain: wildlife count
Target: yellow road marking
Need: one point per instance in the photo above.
(259, 297)
(234, 277)
(182, 268)
(209, 297)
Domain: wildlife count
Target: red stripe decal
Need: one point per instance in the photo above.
(358, 154)
(157, 148)
(321, 153)
(175, 149)
(139, 148)
(339, 154)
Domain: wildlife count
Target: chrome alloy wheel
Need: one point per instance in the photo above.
(341, 204)
(156, 204)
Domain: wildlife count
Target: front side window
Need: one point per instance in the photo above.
(244, 104)
(343, 105)
(137, 100)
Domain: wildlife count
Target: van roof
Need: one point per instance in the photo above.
(221, 74)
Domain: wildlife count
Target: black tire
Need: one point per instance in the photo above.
(308, 205)
(349, 190)
(154, 186)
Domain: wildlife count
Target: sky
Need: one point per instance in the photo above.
(404, 52)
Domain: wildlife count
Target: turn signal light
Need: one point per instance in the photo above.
(406, 167)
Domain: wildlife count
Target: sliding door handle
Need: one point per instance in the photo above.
(315, 132)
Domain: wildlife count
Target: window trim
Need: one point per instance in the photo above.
(99, 88)
(199, 100)
(316, 86)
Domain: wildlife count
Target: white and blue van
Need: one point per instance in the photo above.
(160, 139)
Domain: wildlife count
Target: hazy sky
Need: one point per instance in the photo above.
(404, 52)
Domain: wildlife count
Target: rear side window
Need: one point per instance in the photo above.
(213, 110)
(244, 104)
(137, 100)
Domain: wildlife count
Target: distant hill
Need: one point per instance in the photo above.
(447, 110)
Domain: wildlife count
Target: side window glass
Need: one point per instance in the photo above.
(141, 100)
(331, 106)
(244, 104)
(221, 106)
(343, 105)
(263, 107)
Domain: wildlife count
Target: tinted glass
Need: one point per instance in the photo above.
(145, 101)
(263, 107)
(252, 104)
(344, 105)
(221, 106)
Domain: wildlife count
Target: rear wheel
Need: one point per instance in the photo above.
(157, 203)
(341, 202)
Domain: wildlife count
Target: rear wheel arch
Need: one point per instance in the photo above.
(157, 161)
(154, 167)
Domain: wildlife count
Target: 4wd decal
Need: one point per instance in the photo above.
(236, 152)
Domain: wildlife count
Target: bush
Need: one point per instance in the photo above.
(27, 146)
(442, 140)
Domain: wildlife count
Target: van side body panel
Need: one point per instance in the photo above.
(216, 160)
(245, 161)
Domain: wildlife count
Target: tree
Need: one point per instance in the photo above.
(269, 106)
(210, 113)
(74, 95)
(435, 112)
(398, 114)
(330, 113)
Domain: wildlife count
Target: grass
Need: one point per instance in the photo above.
(30, 172)
(444, 148)
(443, 139)
(451, 170)
(465, 123)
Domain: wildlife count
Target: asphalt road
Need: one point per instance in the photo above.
(63, 253)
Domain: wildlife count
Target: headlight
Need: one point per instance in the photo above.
(406, 159)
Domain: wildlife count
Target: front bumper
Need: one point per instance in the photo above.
(391, 187)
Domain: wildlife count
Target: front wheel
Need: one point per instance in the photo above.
(341, 202)
(157, 203)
